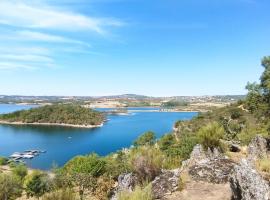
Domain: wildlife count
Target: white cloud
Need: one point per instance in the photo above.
(44, 37)
(26, 57)
(19, 14)
(14, 65)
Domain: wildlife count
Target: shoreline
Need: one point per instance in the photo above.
(51, 124)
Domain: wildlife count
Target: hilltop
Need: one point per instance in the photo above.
(59, 114)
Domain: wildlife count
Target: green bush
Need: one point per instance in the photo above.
(3, 161)
(210, 135)
(147, 138)
(10, 187)
(177, 150)
(91, 164)
(20, 170)
(146, 162)
(116, 164)
(37, 184)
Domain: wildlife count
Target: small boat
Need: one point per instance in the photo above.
(28, 156)
(16, 155)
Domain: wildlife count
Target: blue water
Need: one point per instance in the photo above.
(63, 143)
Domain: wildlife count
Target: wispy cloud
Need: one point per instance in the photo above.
(26, 57)
(33, 33)
(19, 14)
(44, 37)
(15, 65)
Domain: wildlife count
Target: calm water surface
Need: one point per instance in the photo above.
(63, 143)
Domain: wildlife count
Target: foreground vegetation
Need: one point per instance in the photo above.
(94, 176)
(56, 114)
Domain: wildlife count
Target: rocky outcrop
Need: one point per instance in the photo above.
(166, 183)
(247, 184)
(197, 155)
(213, 171)
(126, 182)
(257, 148)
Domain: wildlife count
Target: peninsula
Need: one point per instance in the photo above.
(57, 115)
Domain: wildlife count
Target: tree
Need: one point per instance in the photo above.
(37, 184)
(84, 171)
(147, 138)
(10, 187)
(254, 96)
(265, 78)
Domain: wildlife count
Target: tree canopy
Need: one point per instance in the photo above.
(58, 113)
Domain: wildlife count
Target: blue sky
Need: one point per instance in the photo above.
(150, 47)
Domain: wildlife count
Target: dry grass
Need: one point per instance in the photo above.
(263, 165)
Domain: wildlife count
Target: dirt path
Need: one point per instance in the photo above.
(203, 191)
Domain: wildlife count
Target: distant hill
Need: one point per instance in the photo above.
(56, 114)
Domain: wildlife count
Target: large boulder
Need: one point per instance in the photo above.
(166, 183)
(213, 171)
(247, 184)
(257, 148)
(126, 182)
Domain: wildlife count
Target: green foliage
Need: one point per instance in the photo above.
(254, 97)
(20, 170)
(166, 142)
(91, 164)
(265, 78)
(37, 184)
(177, 150)
(3, 161)
(116, 164)
(146, 162)
(138, 194)
(174, 103)
(60, 113)
(210, 135)
(147, 138)
(64, 194)
(10, 187)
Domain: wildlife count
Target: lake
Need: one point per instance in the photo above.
(63, 143)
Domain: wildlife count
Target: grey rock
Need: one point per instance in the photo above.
(247, 184)
(213, 171)
(257, 148)
(166, 183)
(126, 182)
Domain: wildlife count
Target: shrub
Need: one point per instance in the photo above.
(146, 162)
(176, 151)
(65, 194)
(116, 164)
(138, 194)
(147, 138)
(3, 161)
(210, 135)
(37, 184)
(20, 171)
(91, 164)
(10, 187)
